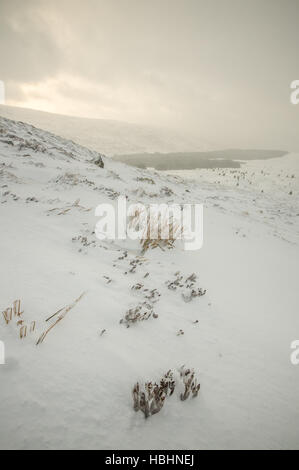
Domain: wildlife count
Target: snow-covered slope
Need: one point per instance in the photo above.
(74, 389)
(109, 137)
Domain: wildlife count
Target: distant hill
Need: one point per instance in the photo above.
(105, 136)
(229, 158)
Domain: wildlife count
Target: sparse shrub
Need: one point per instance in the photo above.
(68, 208)
(142, 312)
(187, 285)
(134, 263)
(23, 331)
(167, 191)
(7, 314)
(151, 295)
(193, 293)
(15, 312)
(157, 230)
(144, 179)
(159, 241)
(150, 397)
(190, 383)
(108, 191)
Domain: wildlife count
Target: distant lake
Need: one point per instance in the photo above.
(230, 158)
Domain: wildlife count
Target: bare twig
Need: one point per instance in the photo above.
(63, 311)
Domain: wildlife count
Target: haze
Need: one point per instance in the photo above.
(219, 70)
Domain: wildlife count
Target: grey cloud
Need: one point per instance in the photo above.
(219, 67)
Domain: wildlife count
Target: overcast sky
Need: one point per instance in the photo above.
(220, 69)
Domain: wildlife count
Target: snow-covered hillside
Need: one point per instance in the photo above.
(109, 137)
(75, 389)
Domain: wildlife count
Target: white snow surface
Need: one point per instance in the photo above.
(107, 136)
(74, 390)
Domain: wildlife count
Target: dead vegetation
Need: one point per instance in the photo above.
(152, 295)
(165, 191)
(25, 328)
(15, 313)
(143, 311)
(157, 229)
(69, 179)
(191, 384)
(187, 286)
(84, 242)
(150, 397)
(109, 192)
(62, 313)
(12, 311)
(159, 241)
(145, 179)
(134, 264)
(64, 210)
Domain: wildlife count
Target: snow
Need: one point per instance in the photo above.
(74, 390)
(106, 136)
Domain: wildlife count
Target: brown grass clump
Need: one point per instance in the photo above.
(17, 308)
(68, 208)
(7, 314)
(148, 242)
(15, 312)
(145, 179)
(23, 331)
(187, 286)
(190, 383)
(158, 230)
(142, 312)
(150, 399)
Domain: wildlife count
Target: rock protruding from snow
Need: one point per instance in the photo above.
(28, 141)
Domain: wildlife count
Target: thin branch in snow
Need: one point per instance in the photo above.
(63, 313)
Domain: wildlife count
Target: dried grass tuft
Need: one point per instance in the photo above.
(190, 383)
(150, 399)
(142, 312)
(62, 313)
(15, 310)
(7, 314)
(23, 331)
(158, 230)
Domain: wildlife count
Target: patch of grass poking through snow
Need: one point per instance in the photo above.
(15, 312)
(68, 208)
(145, 179)
(158, 241)
(152, 295)
(142, 312)
(157, 230)
(150, 397)
(191, 385)
(11, 312)
(187, 286)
